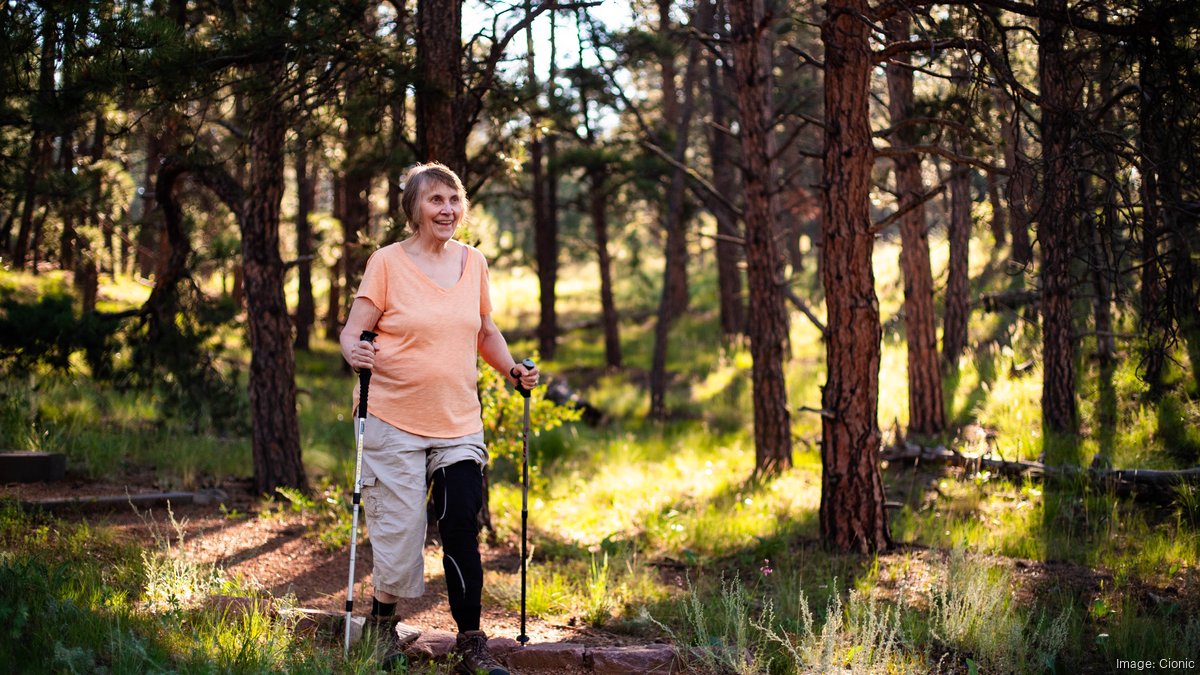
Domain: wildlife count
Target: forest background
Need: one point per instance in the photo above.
(901, 294)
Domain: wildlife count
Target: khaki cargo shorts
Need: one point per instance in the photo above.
(395, 471)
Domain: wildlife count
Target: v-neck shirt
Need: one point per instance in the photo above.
(426, 367)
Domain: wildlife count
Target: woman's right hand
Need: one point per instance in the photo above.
(362, 355)
(359, 353)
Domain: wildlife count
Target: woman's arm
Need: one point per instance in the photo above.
(359, 353)
(494, 349)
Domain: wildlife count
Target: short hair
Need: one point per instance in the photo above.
(418, 177)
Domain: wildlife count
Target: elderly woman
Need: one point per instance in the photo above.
(428, 299)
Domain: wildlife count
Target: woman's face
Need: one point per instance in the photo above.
(441, 211)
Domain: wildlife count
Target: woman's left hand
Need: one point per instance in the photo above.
(527, 377)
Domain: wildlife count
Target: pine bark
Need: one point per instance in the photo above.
(724, 179)
(598, 209)
(599, 191)
(958, 300)
(40, 147)
(673, 301)
(1017, 187)
(852, 516)
(926, 403)
(546, 214)
(441, 131)
(1057, 225)
(768, 321)
(305, 193)
(275, 434)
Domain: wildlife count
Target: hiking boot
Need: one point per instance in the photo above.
(476, 659)
(394, 636)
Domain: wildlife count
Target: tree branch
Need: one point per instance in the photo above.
(695, 177)
(900, 212)
(1072, 18)
(999, 65)
(804, 308)
(893, 151)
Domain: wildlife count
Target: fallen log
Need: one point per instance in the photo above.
(1148, 484)
(1007, 300)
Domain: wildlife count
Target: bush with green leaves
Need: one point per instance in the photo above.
(503, 414)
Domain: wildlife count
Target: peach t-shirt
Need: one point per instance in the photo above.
(425, 375)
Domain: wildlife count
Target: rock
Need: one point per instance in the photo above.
(32, 467)
(234, 606)
(210, 496)
(319, 622)
(499, 646)
(433, 644)
(657, 658)
(546, 657)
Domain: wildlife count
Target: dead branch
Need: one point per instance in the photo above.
(1150, 484)
(894, 151)
(804, 308)
(1007, 300)
(900, 212)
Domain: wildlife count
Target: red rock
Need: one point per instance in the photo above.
(433, 644)
(656, 658)
(546, 656)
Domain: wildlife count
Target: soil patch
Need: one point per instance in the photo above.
(276, 551)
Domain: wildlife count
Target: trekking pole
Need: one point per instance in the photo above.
(528, 363)
(364, 379)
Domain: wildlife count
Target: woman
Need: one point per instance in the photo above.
(428, 300)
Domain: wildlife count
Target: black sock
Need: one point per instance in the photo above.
(381, 610)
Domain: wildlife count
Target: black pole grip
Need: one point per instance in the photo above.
(529, 364)
(364, 378)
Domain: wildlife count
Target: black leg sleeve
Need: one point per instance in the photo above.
(457, 499)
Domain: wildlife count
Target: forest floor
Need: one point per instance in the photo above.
(276, 551)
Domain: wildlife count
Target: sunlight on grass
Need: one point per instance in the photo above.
(974, 611)
(682, 495)
(593, 590)
(121, 293)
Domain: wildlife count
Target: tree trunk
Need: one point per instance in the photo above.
(275, 429)
(398, 152)
(333, 323)
(355, 218)
(674, 299)
(395, 144)
(597, 172)
(441, 132)
(926, 405)
(40, 143)
(357, 178)
(305, 193)
(1018, 185)
(1057, 227)
(149, 228)
(675, 123)
(851, 514)
(958, 300)
(87, 273)
(598, 209)
(997, 221)
(545, 228)
(1104, 228)
(68, 239)
(544, 191)
(768, 321)
(724, 179)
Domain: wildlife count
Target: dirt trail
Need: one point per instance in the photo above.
(278, 553)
